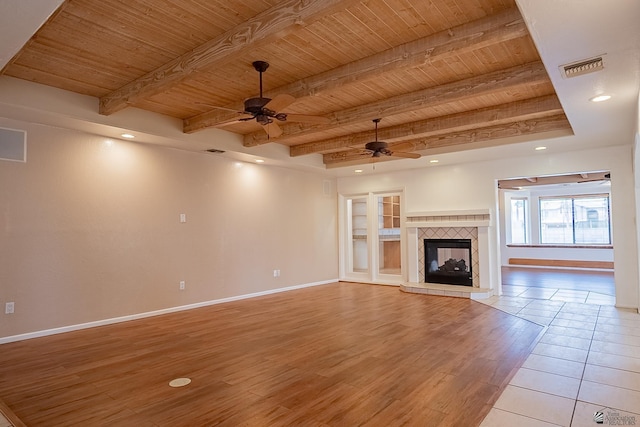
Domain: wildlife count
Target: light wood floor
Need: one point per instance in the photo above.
(342, 354)
(552, 278)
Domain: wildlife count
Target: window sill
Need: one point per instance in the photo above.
(562, 246)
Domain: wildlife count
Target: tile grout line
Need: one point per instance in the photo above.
(584, 367)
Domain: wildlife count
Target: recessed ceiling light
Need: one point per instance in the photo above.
(600, 98)
(540, 148)
(259, 161)
(358, 171)
(127, 136)
(434, 161)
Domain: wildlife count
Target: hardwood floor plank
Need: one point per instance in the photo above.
(332, 355)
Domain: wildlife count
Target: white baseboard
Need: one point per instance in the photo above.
(46, 332)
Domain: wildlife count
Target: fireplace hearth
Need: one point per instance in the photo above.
(448, 261)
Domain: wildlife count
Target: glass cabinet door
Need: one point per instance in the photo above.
(359, 256)
(389, 256)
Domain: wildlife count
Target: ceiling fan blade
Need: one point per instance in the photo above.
(307, 119)
(405, 155)
(280, 102)
(272, 129)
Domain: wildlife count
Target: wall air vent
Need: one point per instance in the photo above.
(582, 67)
(13, 145)
(215, 150)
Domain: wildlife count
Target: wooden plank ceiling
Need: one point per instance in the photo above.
(441, 74)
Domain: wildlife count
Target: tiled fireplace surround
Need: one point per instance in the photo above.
(467, 224)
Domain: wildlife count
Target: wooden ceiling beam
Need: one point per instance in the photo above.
(491, 136)
(519, 183)
(263, 28)
(501, 80)
(475, 35)
(519, 110)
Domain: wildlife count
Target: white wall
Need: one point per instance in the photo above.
(474, 186)
(89, 229)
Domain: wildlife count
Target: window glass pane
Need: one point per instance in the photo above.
(519, 221)
(575, 220)
(591, 219)
(556, 221)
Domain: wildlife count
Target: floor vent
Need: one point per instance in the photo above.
(215, 150)
(583, 67)
(13, 145)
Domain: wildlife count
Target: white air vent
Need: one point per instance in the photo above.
(583, 67)
(13, 145)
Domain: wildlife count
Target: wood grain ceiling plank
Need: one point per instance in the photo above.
(490, 136)
(485, 32)
(516, 77)
(496, 115)
(263, 28)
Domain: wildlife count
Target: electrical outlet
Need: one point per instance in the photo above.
(183, 217)
(182, 285)
(9, 307)
(276, 273)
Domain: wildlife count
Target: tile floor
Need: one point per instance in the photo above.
(587, 361)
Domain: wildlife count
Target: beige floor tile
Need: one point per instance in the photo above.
(618, 313)
(616, 338)
(609, 396)
(584, 412)
(580, 309)
(575, 324)
(614, 361)
(601, 300)
(500, 418)
(546, 382)
(538, 293)
(575, 316)
(561, 352)
(630, 323)
(539, 312)
(546, 304)
(570, 332)
(613, 377)
(615, 348)
(565, 341)
(568, 368)
(534, 404)
(615, 329)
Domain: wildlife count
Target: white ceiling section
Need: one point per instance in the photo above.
(564, 31)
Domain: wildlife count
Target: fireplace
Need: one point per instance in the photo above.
(448, 261)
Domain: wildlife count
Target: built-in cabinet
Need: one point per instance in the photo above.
(372, 238)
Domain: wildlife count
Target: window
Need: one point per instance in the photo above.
(575, 220)
(519, 220)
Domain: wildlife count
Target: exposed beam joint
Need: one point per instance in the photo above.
(263, 28)
(459, 141)
(520, 110)
(501, 80)
(465, 38)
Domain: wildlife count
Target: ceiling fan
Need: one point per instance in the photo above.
(266, 111)
(380, 148)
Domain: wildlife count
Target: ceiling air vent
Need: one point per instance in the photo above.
(215, 150)
(583, 67)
